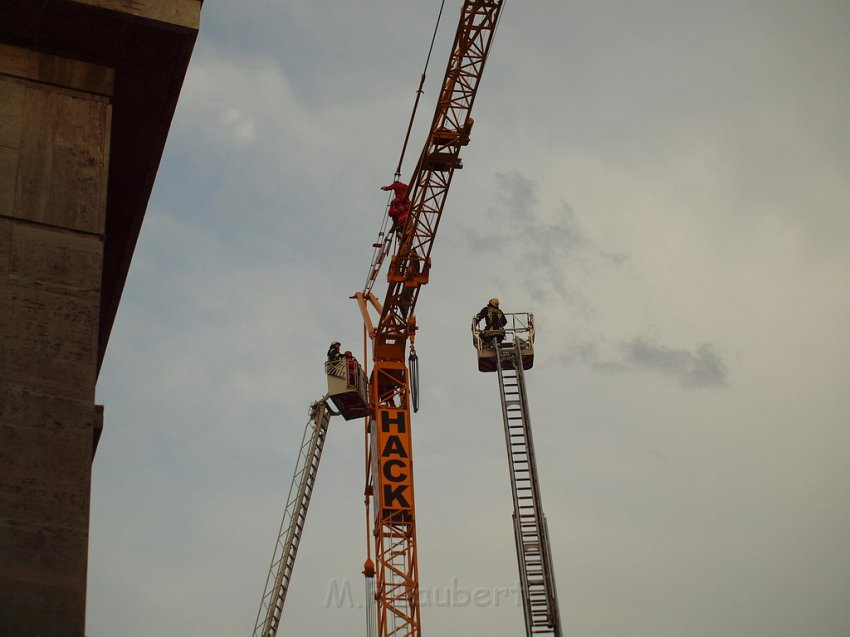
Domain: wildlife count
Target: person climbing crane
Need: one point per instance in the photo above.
(400, 204)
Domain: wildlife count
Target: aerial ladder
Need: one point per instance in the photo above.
(292, 524)
(348, 391)
(509, 358)
(384, 399)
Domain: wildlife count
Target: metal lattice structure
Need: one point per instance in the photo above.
(432, 177)
(292, 524)
(536, 573)
(389, 482)
(390, 460)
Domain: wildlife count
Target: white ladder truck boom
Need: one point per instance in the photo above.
(347, 389)
(292, 524)
(509, 359)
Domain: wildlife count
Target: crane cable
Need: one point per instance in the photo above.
(419, 92)
(385, 237)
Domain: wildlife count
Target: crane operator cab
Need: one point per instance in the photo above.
(518, 331)
(348, 387)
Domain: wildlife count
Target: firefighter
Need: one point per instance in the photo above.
(333, 352)
(494, 323)
(400, 204)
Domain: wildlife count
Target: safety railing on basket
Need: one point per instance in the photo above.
(350, 371)
(520, 327)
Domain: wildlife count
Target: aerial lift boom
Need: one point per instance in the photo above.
(347, 390)
(509, 359)
(292, 524)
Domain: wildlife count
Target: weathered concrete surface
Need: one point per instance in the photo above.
(178, 12)
(59, 160)
(55, 161)
(87, 91)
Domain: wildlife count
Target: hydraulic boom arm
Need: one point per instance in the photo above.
(292, 524)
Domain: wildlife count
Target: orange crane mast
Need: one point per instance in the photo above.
(384, 397)
(388, 426)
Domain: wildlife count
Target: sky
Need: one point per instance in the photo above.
(664, 185)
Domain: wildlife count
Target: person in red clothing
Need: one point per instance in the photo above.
(400, 204)
(352, 366)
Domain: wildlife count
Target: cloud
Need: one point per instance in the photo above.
(700, 368)
(241, 127)
(672, 194)
(584, 288)
(545, 248)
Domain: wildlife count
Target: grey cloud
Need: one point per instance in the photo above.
(586, 353)
(549, 248)
(517, 195)
(701, 368)
(555, 257)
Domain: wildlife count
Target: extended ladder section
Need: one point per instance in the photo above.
(292, 524)
(537, 579)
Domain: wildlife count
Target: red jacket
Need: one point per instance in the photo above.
(400, 205)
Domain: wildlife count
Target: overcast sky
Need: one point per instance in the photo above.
(665, 185)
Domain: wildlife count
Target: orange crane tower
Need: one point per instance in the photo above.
(390, 453)
(384, 397)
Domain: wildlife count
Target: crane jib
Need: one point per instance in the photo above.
(440, 157)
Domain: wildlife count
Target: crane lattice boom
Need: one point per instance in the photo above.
(389, 461)
(432, 176)
(389, 482)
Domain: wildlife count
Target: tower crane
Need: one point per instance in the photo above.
(383, 398)
(389, 456)
(509, 359)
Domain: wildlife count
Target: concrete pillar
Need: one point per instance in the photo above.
(87, 92)
(54, 155)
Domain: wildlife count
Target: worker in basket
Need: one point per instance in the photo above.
(333, 352)
(351, 367)
(494, 323)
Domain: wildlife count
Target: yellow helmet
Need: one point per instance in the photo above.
(494, 302)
